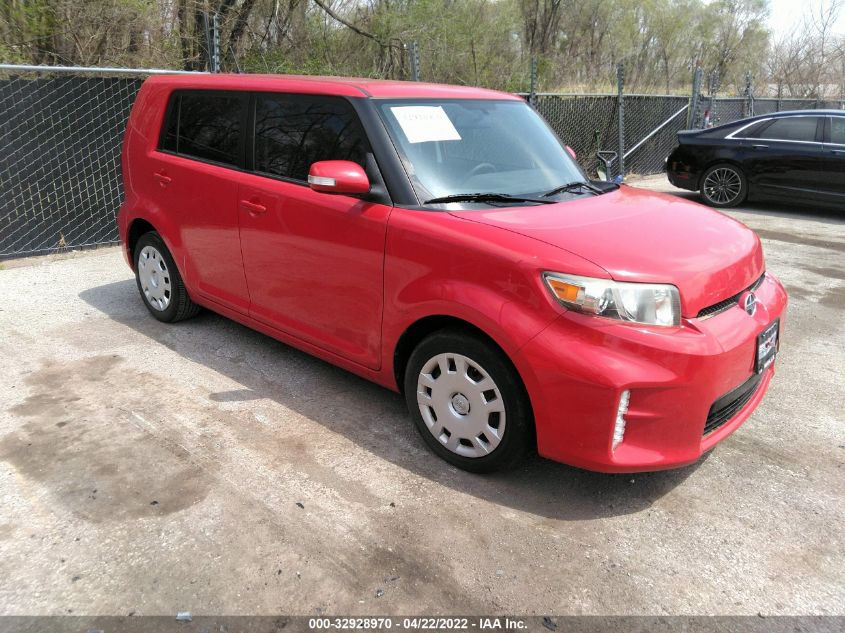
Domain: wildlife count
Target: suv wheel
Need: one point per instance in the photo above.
(159, 281)
(724, 186)
(468, 402)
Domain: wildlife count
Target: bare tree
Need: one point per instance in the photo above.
(809, 60)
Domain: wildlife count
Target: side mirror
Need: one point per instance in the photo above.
(338, 176)
(572, 152)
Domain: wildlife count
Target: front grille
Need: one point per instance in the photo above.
(723, 305)
(729, 405)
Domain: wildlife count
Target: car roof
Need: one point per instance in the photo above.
(731, 126)
(787, 113)
(819, 111)
(340, 86)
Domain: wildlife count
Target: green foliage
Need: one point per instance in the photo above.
(578, 43)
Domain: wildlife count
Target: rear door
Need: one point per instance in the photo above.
(197, 168)
(785, 157)
(313, 261)
(834, 163)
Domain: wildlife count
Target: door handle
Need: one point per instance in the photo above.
(253, 207)
(760, 146)
(163, 178)
(839, 152)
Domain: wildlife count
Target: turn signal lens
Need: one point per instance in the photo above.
(563, 290)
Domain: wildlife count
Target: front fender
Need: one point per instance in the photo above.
(437, 264)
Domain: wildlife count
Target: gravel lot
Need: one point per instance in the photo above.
(204, 467)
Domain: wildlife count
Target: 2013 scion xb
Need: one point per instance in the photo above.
(442, 242)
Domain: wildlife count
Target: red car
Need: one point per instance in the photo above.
(442, 242)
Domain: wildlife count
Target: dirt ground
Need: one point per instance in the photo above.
(203, 467)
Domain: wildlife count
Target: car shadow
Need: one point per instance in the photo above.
(375, 418)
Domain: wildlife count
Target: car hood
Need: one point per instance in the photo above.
(638, 235)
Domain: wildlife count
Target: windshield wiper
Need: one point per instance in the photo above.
(486, 197)
(571, 186)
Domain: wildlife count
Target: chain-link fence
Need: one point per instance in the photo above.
(587, 123)
(650, 123)
(61, 134)
(60, 139)
(590, 123)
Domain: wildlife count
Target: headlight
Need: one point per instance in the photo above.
(651, 304)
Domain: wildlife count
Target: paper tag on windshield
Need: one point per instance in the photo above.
(425, 123)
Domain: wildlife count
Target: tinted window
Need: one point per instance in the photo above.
(171, 125)
(753, 130)
(837, 130)
(293, 131)
(207, 126)
(798, 128)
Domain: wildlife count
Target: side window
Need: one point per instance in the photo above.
(796, 128)
(205, 125)
(170, 130)
(293, 131)
(837, 130)
(752, 131)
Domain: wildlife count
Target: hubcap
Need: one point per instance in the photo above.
(461, 405)
(722, 185)
(154, 278)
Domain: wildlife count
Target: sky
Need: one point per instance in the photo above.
(784, 14)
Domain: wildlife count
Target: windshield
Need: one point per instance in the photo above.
(464, 146)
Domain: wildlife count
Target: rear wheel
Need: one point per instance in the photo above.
(468, 402)
(724, 186)
(159, 281)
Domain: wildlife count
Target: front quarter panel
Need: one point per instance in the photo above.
(437, 264)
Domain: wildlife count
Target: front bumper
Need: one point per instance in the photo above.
(578, 367)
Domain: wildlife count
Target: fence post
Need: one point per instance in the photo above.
(780, 96)
(414, 59)
(620, 84)
(532, 95)
(212, 41)
(749, 96)
(713, 89)
(215, 43)
(695, 100)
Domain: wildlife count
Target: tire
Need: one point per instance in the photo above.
(159, 282)
(460, 380)
(724, 186)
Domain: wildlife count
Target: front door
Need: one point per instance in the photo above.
(785, 157)
(313, 261)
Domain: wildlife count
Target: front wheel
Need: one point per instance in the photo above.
(468, 401)
(724, 186)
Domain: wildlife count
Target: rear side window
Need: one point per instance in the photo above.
(293, 131)
(752, 130)
(798, 128)
(837, 130)
(206, 126)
